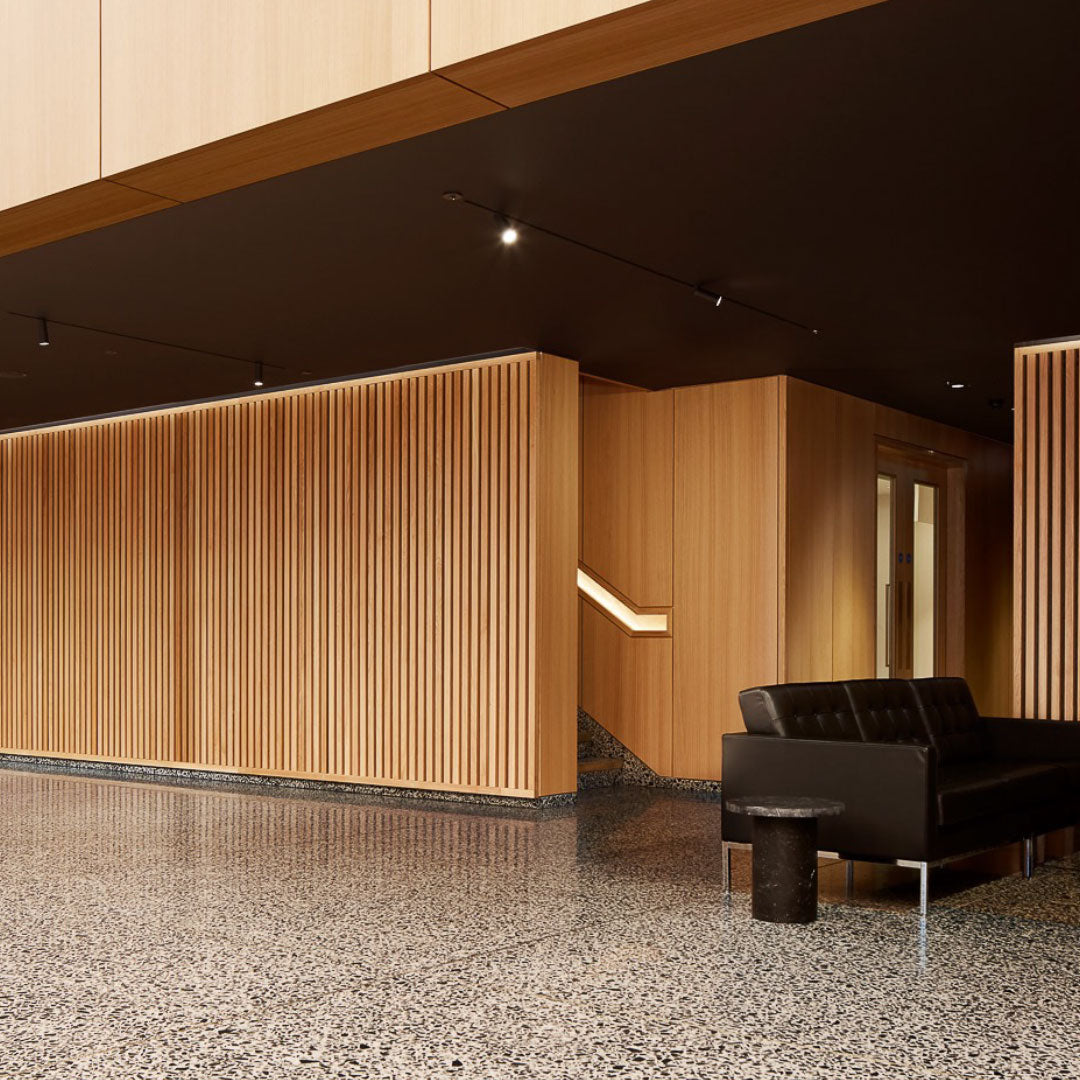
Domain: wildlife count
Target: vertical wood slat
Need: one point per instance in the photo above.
(336, 583)
(1047, 531)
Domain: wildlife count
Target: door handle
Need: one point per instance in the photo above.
(888, 626)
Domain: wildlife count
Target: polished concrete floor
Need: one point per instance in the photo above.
(165, 932)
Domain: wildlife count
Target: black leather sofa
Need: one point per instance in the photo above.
(923, 776)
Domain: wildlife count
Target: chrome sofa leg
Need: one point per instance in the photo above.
(924, 887)
(850, 878)
(1029, 856)
(726, 871)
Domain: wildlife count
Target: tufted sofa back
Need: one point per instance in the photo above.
(817, 710)
(953, 723)
(938, 712)
(886, 710)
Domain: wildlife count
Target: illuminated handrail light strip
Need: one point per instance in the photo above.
(635, 623)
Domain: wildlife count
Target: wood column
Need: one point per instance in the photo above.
(1046, 670)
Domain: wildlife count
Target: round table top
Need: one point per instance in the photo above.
(785, 806)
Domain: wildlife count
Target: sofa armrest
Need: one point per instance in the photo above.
(1032, 740)
(888, 790)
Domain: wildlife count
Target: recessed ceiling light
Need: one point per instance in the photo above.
(12, 374)
(956, 384)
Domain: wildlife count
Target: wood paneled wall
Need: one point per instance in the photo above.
(371, 581)
(49, 120)
(727, 561)
(176, 76)
(680, 504)
(829, 585)
(628, 442)
(627, 525)
(626, 684)
(828, 525)
(201, 97)
(772, 554)
(1046, 664)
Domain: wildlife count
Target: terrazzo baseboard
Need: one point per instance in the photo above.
(163, 774)
(635, 772)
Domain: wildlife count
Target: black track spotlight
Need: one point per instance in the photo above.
(43, 332)
(508, 231)
(258, 382)
(707, 294)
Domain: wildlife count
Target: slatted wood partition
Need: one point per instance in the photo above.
(357, 582)
(1046, 669)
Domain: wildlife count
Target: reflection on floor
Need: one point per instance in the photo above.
(161, 932)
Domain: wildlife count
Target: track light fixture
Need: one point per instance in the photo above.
(707, 294)
(43, 325)
(510, 231)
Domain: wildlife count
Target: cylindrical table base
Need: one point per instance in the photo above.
(785, 869)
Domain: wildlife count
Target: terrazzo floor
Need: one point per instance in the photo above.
(151, 931)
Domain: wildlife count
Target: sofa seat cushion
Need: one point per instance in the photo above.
(1069, 768)
(979, 789)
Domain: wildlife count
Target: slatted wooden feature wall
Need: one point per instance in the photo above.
(1046, 669)
(371, 581)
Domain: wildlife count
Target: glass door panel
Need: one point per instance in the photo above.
(924, 581)
(910, 546)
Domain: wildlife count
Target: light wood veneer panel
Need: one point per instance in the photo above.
(49, 124)
(180, 75)
(627, 488)
(626, 684)
(1046, 469)
(813, 494)
(346, 582)
(461, 29)
(726, 599)
(553, 524)
(490, 45)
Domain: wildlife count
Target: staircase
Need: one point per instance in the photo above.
(594, 770)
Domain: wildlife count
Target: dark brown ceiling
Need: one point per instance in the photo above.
(903, 177)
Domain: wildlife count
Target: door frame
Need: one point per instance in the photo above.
(950, 555)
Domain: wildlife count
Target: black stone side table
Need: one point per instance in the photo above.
(784, 833)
